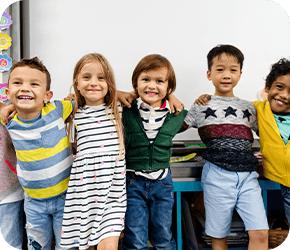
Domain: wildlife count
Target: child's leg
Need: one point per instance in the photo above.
(219, 244)
(285, 191)
(258, 240)
(161, 199)
(136, 218)
(220, 195)
(251, 208)
(38, 224)
(12, 223)
(110, 243)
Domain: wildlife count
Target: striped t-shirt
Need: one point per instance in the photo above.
(44, 156)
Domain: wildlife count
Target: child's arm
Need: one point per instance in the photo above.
(2, 105)
(202, 100)
(126, 98)
(176, 106)
(7, 112)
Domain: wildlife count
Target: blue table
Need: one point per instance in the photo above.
(193, 186)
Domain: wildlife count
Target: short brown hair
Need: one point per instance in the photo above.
(155, 62)
(34, 63)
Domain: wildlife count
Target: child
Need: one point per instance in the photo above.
(150, 127)
(96, 199)
(229, 179)
(274, 128)
(273, 122)
(43, 152)
(11, 196)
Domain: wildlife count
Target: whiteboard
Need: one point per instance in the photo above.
(183, 31)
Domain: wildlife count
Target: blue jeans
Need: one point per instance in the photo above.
(285, 191)
(149, 213)
(12, 223)
(43, 219)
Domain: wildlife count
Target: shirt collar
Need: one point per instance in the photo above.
(165, 105)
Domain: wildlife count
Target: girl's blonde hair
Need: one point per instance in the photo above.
(110, 98)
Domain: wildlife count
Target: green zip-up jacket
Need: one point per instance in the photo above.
(140, 153)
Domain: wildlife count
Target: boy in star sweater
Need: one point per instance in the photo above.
(229, 179)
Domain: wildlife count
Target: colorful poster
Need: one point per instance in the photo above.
(5, 41)
(3, 89)
(5, 63)
(5, 21)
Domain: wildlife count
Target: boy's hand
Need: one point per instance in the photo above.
(176, 106)
(70, 97)
(202, 100)
(126, 98)
(7, 113)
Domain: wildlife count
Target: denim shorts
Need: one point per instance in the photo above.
(285, 191)
(225, 191)
(149, 213)
(43, 220)
(12, 223)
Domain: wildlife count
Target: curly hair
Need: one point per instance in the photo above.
(280, 68)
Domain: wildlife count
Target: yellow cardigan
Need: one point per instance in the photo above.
(276, 155)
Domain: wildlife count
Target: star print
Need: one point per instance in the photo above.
(230, 111)
(281, 119)
(209, 112)
(247, 114)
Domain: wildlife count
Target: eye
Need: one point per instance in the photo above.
(101, 78)
(34, 84)
(145, 79)
(160, 81)
(280, 87)
(86, 77)
(219, 70)
(16, 83)
(234, 70)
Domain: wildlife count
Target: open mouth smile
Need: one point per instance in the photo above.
(25, 97)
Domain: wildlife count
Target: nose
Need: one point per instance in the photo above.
(285, 95)
(226, 75)
(94, 81)
(25, 87)
(151, 84)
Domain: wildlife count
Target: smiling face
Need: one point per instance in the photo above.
(279, 94)
(152, 86)
(91, 83)
(27, 91)
(225, 73)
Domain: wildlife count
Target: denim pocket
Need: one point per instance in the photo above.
(167, 181)
(50, 137)
(285, 191)
(27, 198)
(130, 178)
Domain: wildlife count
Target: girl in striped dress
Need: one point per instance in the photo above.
(96, 198)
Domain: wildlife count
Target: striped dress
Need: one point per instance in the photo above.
(96, 199)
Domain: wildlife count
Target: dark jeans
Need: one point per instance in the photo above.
(285, 191)
(149, 213)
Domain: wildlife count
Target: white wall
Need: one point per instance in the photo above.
(182, 30)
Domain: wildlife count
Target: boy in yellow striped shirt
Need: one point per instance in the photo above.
(44, 156)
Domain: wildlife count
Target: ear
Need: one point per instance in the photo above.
(48, 96)
(8, 94)
(267, 89)
(208, 75)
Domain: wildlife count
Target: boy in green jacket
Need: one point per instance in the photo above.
(149, 129)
